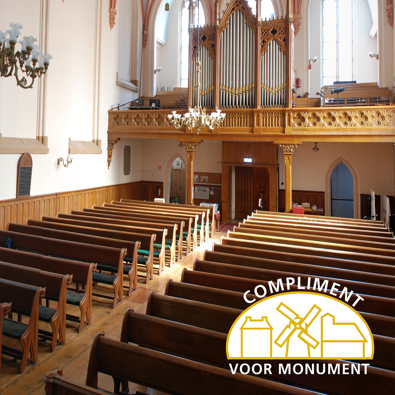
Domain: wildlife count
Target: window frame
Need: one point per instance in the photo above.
(353, 42)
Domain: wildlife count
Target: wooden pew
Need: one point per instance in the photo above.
(81, 272)
(160, 307)
(347, 237)
(379, 324)
(123, 227)
(78, 251)
(186, 208)
(158, 208)
(5, 308)
(171, 229)
(294, 267)
(300, 249)
(300, 257)
(210, 215)
(55, 285)
(304, 242)
(189, 243)
(198, 344)
(316, 227)
(189, 312)
(357, 94)
(377, 227)
(25, 297)
(186, 341)
(181, 224)
(56, 384)
(328, 238)
(172, 374)
(365, 288)
(146, 241)
(322, 218)
(131, 247)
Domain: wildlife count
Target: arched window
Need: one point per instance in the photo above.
(185, 37)
(267, 10)
(337, 41)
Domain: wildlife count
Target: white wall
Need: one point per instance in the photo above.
(169, 58)
(373, 164)
(367, 70)
(22, 103)
(80, 88)
(162, 153)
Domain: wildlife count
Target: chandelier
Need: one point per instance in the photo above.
(27, 60)
(197, 117)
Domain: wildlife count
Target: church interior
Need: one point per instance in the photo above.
(291, 111)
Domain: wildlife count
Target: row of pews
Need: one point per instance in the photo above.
(100, 252)
(179, 345)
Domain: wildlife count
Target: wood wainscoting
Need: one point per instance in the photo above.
(312, 197)
(34, 207)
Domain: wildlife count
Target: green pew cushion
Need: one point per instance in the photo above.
(13, 329)
(103, 278)
(167, 246)
(126, 268)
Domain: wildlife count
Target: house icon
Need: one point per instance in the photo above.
(341, 340)
(256, 338)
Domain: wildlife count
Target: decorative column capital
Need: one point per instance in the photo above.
(190, 146)
(288, 148)
(110, 147)
(297, 6)
(113, 12)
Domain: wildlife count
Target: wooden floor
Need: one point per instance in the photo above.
(73, 357)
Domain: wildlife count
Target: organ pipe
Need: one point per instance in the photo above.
(237, 63)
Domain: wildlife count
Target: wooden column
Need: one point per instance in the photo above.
(288, 150)
(190, 147)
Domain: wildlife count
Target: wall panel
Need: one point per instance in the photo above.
(34, 207)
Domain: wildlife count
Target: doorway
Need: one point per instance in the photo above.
(342, 192)
(178, 182)
(250, 190)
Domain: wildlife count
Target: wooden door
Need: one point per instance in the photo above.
(249, 182)
(244, 191)
(178, 184)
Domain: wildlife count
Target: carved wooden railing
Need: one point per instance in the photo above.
(282, 126)
(242, 121)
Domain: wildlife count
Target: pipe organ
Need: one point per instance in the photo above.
(273, 66)
(245, 61)
(206, 79)
(237, 63)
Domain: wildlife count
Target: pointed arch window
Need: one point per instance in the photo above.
(337, 41)
(185, 36)
(267, 10)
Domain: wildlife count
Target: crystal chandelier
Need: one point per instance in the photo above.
(27, 60)
(197, 117)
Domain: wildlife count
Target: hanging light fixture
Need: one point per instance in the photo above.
(197, 117)
(315, 148)
(27, 60)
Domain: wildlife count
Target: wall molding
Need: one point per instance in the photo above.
(85, 147)
(16, 145)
